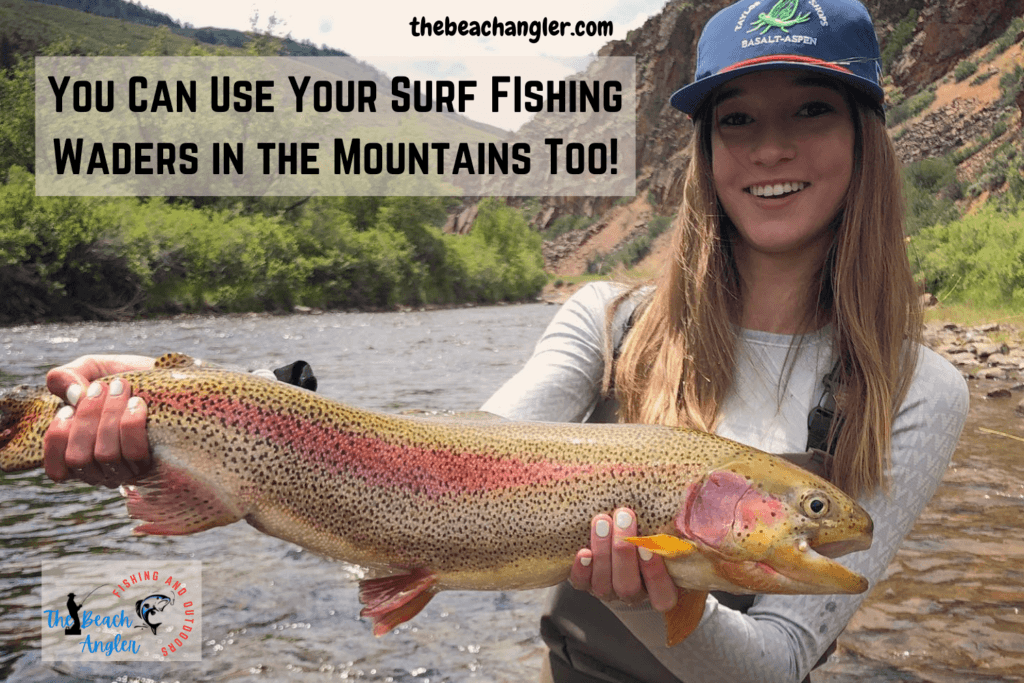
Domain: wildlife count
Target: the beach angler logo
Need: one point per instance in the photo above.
(121, 611)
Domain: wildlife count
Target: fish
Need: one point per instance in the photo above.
(148, 606)
(466, 501)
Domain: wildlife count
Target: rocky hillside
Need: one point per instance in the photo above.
(924, 43)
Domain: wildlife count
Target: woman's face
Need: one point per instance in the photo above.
(782, 157)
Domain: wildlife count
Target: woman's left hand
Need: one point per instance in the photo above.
(612, 568)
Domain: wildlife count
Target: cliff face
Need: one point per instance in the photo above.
(946, 32)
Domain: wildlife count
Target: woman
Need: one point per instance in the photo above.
(788, 268)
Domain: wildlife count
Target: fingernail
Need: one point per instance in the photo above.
(585, 561)
(65, 413)
(645, 554)
(116, 387)
(73, 394)
(623, 519)
(603, 528)
(134, 403)
(95, 389)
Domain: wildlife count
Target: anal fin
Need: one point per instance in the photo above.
(393, 600)
(681, 620)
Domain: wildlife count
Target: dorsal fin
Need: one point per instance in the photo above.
(175, 360)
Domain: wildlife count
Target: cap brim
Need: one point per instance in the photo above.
(689, 98)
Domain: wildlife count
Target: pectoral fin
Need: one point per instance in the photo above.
(664, 545)
(681, 620)
(395, 599)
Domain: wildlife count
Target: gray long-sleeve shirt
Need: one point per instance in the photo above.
(781, 636)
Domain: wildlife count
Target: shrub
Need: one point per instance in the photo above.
(964, 69)
(910, 107)
(930, 187)
(977, 258)
(898, 39)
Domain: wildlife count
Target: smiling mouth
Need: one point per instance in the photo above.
(776, 189)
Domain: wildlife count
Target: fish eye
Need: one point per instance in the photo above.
(815, 505)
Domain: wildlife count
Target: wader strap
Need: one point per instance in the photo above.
(819, 421)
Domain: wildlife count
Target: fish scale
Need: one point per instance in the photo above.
(461, 502)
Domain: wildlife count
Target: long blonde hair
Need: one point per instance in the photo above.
(677, 363)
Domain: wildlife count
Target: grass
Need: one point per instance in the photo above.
(32, 25)
(971, 315)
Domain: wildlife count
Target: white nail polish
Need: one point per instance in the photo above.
(116, 387)
(603, 528)
(95, 389)
(65, 413)
(645, 554)
(73, 394)
(623, 519)
(134, 403)
(585, 561)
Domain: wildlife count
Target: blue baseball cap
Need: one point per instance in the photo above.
(832, 37)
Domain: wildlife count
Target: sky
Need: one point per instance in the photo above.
(379, 33)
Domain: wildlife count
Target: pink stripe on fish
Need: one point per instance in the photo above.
(426, 471)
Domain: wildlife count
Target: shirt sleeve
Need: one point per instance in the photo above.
(782, 637)
(561, 381)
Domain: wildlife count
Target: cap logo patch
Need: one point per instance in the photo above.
(780, 16)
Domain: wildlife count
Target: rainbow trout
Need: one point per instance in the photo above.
(438, 503)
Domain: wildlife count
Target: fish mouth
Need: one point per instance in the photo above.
(794, 569)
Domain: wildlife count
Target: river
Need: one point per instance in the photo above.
(950, 609)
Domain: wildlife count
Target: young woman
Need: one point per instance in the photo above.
(789, 295)
(788, 290)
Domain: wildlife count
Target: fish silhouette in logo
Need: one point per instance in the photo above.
(149, 607)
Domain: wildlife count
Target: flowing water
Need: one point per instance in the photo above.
(951, 608)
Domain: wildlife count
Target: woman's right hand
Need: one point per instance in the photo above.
(612, 568)
(100, 435)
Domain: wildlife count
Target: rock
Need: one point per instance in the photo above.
(999, 393)
(1002, 359)
(1020, 408)
(986, 349)
(947, 32)
(990, 373)
(928, 300)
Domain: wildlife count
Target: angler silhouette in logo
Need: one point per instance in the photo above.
(148, 607)
(76, 627)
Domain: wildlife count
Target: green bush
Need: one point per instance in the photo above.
(1003, 42)
(964, 69)
(910, 107)
(977, 258)
(930, 188)
(123, 256)
(62, 255)
(1010, 83)
(898, 39)
(564, 224)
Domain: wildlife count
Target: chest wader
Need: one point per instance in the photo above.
(587, 643)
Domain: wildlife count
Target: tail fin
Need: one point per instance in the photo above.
(25, 413)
